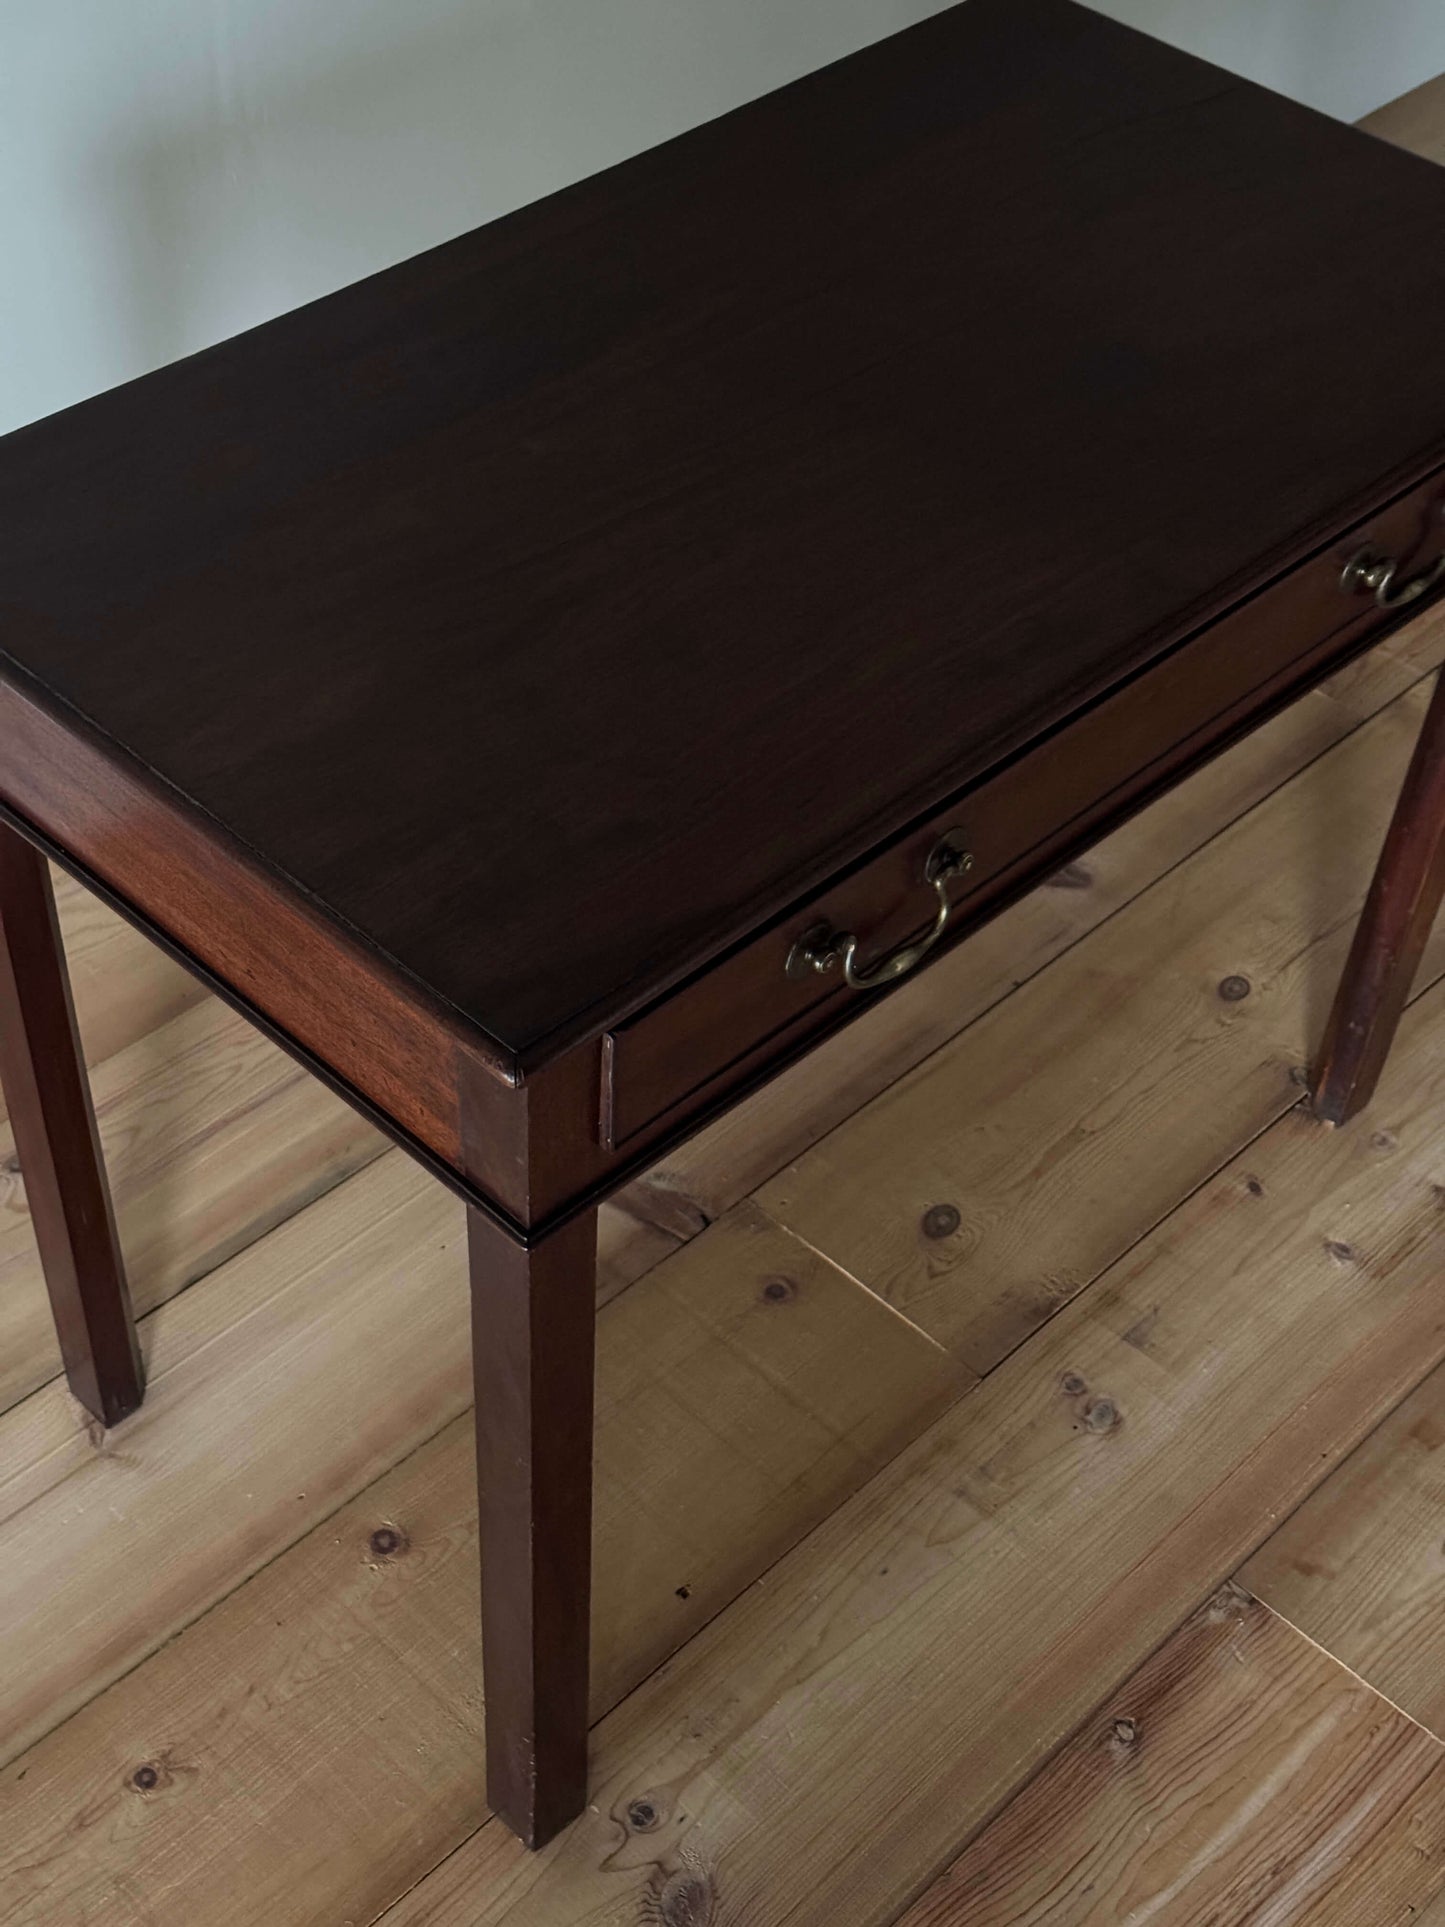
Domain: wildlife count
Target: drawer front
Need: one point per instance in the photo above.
(763, 1001)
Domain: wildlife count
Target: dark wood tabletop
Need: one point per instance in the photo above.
(554, 684)
(551, 610)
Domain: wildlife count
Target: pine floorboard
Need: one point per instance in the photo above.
(908, 1576)
(802, 1486)
(1240, 1775)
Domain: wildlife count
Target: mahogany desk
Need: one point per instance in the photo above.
(554, 683)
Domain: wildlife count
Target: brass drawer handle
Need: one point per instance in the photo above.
(1370, 573)
(821, 947)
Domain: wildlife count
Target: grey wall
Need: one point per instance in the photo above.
(174, 170)
(1345, 57)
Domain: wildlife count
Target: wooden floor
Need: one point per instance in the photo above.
(1021, 1446)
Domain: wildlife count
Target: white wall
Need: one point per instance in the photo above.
(173, 170)
(1345, 57)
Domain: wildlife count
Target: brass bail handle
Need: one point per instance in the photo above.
(1370, 573)
(820, 948)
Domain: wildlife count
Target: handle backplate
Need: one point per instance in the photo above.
(821, 948)
(1369, 572)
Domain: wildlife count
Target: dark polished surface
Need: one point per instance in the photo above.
(67, 1195)
(556, 607)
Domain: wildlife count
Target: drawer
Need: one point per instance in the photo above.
(766, 999)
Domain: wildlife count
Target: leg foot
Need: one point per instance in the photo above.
(58, 1145)
(1393, 931)
(533, 1320)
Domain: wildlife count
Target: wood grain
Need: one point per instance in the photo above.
(722, 400)
(235, 1709)
(534, 1329)
(702, 1178)
(1022, 1158)
(1359, 1567)
(265, 1410)
(1397, 1879)
(1010, 831)
(208, 895)
(757, 1491)
(124, 987)
(211, 1137)
(730, 1420)
(52, 1123)
(188, 1197)
(927, 1647)
(1234, 1778)
(1394, 927)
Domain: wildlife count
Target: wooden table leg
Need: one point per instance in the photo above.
(53, 1119)
(1392, 932)
(533, 1320)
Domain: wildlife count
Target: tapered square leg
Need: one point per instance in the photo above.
(53, 1119)
(533, 1336)
(1393, 931)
